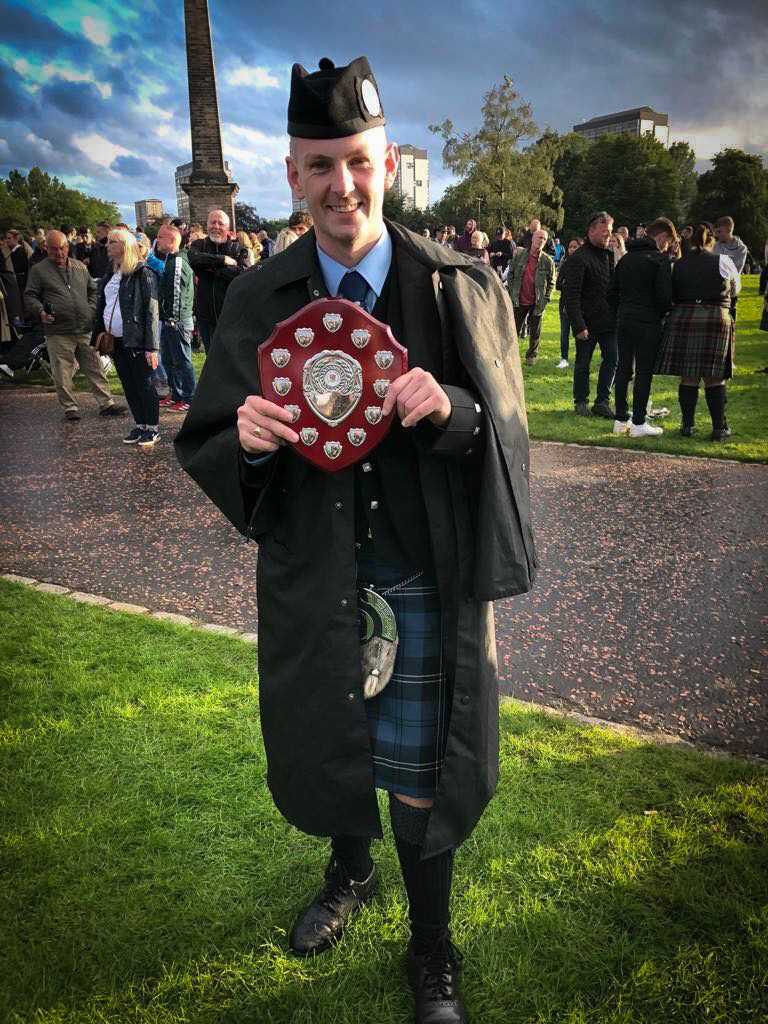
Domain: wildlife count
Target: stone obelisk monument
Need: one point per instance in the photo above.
(209, 187)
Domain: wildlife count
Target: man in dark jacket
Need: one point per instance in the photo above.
(98, 258)
(641, 293)
(216, 261)
(440, 508)
(593, 321)
(176, 298)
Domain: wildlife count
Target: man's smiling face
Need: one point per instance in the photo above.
(344, 181)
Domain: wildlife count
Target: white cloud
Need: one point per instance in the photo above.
(42, 146)
(708, 139)
(257, 77)
(100, 150)
(69, 75)
(96, 31)
(22, 66)
(253, 148)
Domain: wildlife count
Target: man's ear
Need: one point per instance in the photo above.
(292, 173)
(391, 163)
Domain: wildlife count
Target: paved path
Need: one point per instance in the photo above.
(649, 607)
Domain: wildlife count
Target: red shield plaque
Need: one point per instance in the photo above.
(331, 365)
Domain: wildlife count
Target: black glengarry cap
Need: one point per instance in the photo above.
(333, 102)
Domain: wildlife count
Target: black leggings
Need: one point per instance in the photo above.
(135, 375)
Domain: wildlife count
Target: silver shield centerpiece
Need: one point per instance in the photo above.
(332, 449)
(308, 435)
(384, 359)
(373, 414)
(304, 336)
(356, 436)
(333, 384)
(360, 337)
(332, 322)
(280, 357)
(282, 385)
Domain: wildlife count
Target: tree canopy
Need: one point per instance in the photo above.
(503, 180)
(39, 200)
(737, 186)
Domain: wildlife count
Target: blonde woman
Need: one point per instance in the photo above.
(127, 309)
(617, 247)
(245, 241)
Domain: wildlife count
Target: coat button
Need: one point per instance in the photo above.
(367, 467)
(350, 696)
(522, 466)
(374, 505)
(477, 408)
(497, 362)
(465, 699)
(315, 292)
(469, 451)
(344, 602)
(338, 506)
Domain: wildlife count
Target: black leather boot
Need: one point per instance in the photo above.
(322, 924)
(433, 978)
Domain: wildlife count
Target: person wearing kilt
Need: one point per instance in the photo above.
(435, 521)
(697, 341)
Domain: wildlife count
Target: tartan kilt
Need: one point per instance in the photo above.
(697, 341)
(408, 720)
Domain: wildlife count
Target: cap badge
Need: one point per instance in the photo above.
(370, 97)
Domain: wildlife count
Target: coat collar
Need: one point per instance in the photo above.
(304, 264)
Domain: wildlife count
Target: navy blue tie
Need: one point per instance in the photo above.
(354, 287)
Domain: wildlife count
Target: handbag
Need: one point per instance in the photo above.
(105, 340)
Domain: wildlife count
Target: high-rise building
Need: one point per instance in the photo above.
(412, 179)
(182, 176)
(148, 210)
(640, 121)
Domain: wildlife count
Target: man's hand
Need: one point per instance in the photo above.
(417, 395)
(263, 426)
(583, 335)
(47, 319)
(151, 358)
(230, 262)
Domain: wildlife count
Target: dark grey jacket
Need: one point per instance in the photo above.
(313, 718)
(138, 307)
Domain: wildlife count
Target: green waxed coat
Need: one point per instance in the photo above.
(458, 324)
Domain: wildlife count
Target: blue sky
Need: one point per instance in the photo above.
(97, 92)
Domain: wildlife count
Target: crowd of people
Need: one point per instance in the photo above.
(115, 297)
(633, 310)
(653, 303)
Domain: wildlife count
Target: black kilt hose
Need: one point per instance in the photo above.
(408, 720)
(697, 341)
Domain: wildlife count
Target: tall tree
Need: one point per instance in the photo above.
(684, 161)
(631, 177)
(737, 186)
(505, 181)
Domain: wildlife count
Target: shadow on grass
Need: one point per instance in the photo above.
(148, 878)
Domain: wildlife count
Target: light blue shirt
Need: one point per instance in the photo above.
(374, 267)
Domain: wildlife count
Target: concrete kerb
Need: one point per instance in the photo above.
(654, 737)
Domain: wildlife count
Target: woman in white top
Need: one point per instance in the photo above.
(127, 309)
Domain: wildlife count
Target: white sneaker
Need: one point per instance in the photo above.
(644, 430)
(6, 369)
(621, 426)
(562, 364)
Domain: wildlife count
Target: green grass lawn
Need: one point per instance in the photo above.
(549, 395)
(146, 878)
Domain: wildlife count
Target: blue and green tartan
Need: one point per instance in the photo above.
(408, 720)
(697, 341)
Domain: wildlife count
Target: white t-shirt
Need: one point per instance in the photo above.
(112, 306)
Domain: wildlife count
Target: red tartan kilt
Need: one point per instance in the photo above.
(697, 341)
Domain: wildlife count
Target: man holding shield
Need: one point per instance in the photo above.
(423, 531)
